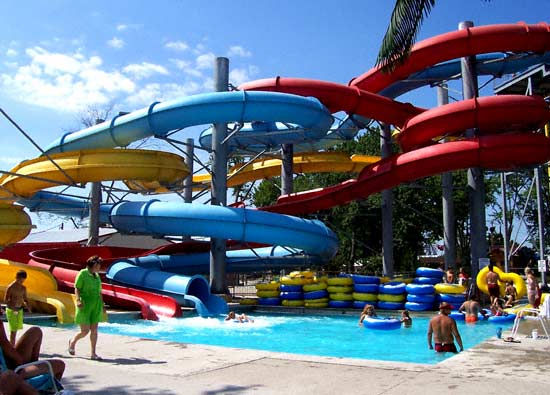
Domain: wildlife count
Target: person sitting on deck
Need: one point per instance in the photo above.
(511, 295)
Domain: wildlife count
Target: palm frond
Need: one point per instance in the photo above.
(405, 23)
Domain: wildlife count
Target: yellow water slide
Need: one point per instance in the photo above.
(518, 281)
(41, 290)
(79, 167)
(308, 162)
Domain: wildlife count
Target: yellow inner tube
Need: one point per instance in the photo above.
(365, 297)
(320, 305)
(403, 280)
(267, 286)
(267, 294)
(292, 303)
(341, 296)
(248, 301)
(319, 300)
(340, 281)
(314, 287)
(391, 297)
(519, 283)
(443, 288)
(294, 281)
(335, 289)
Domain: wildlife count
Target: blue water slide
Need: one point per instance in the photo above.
(178, 218)
(491, 64)
(220, 107)
(55, 203)
(188, 291)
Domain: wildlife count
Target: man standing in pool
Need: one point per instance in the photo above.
(444, 330)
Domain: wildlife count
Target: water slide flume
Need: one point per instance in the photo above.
(41, 290)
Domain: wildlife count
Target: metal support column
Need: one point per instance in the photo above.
(387, 209)
(538, 178)
(188, 181)
(449, 228)
(219, 182)
(95, 202)
(505, 222)
(287, 169)
(476, 184)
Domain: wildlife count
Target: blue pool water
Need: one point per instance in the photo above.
(335, 336)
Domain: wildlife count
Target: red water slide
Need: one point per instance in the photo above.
(505, 115)
(64, 264)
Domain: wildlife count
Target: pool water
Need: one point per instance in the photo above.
(334, 336)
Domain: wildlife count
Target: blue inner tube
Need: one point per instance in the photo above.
(499, 319)
(416, 306)
(382, 323)
(390, 305)
(392, 288)
(423, 298)
(359, 304)
(429, 272)
(291, 295)
(315, 294)
(290, 288)
(366, 288)
(458, 316)
(426, 280)
(452, 298)
(357, 279)
(420, 289)
(339, 304)
(269, 301)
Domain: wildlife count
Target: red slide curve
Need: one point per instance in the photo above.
(64, 264)
(490, 115)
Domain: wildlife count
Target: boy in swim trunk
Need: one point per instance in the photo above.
(444, 330)
(492, 284)
(16, 300)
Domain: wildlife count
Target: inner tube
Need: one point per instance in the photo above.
(518, 281)
(357, 279)
(420, 289)
(422, 298)
(340, 304)
(393, 288)
(318, 300)
(366, 288)
(319, 305)
(426, 280)
(365, 297)
(453, 298)
(314, 287)
(293, 281)
(360, 304)
(392, 297)
(429, 272)
(340, 281)
(290, 288)
(390, 305)
(267, 287)
(416, 306)
(381, 323)
(457, 316)
(341, 296)
(335, 289)
(267, 294)
(292, 303)
(499, 319)
(291, 296)
(443, 288)
(269, 301)
(315, 294)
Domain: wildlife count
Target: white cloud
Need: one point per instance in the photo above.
(186, 67)
(11, 52)
(121, 27)
(11, 161)
(145, 70)
(205, 61)
(177, 45)
(64, 82)
(237, 50)
(239, 76)
(116, 43)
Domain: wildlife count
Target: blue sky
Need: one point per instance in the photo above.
(59, 57)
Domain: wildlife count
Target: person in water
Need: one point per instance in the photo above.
(368, 312)
(471, 309)
(444, 331)
(406, 319)
(240, 318)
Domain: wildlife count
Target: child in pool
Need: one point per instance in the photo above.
(368, 311)
(240, 318)
(406, 319)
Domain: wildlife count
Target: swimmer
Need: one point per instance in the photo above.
(368, 312)
(406, 319)
(471, 310)
(240, 318)
(444, 330)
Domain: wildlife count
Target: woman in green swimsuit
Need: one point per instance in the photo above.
(89, 303)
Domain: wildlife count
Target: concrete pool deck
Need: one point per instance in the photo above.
(149, 367)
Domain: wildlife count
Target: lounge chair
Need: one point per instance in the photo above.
(540, 314)
(45, 383)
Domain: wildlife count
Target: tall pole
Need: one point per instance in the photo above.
(476, 184)
(219, 181)
(538, 179)
(95, 202)
(287, 169)
(505, 221)
(449, 228)
(188, 181)
(387, 209)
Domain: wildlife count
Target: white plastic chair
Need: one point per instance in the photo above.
(541, 314)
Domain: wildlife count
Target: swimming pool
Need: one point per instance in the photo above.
(334, 336)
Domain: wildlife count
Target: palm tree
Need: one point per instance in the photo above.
(406, 19)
